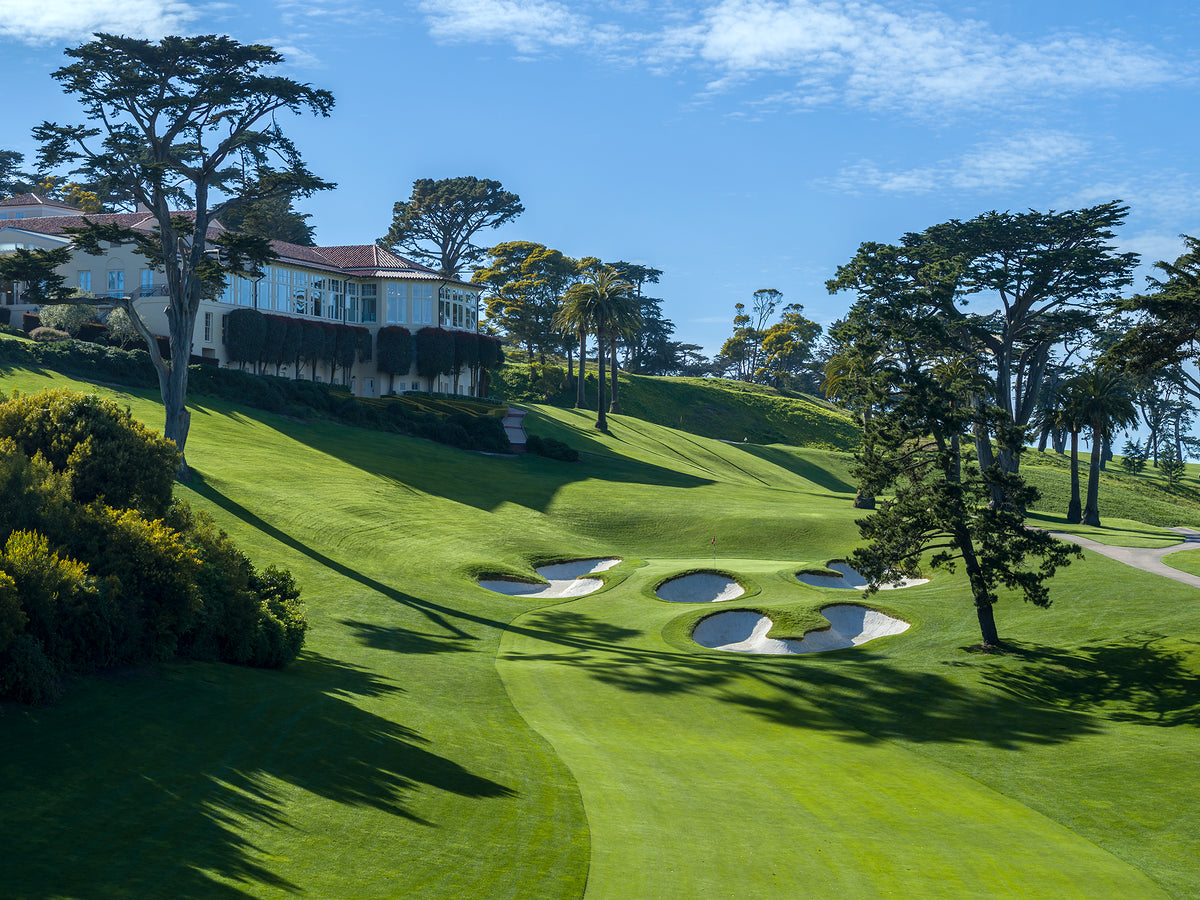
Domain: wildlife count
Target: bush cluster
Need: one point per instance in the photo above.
(551, 448)
(99, 567)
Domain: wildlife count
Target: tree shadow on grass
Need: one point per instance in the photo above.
(151, 789)
(436, 613)
(475, 480)
(1146, 679)
(858, 695)
(805, 468)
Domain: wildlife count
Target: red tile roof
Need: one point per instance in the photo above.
(37, 200)
(355, 260)
(59, 224)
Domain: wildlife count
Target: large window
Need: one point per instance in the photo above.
(422, 304)
(397, 303)
(85, 281)
(116, 282)
(370, 313)
(316, 296)
(208, 327)
(147, 280)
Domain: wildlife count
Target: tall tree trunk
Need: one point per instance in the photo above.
(172, 378)
(580, 393)
(178, 420)
(1074, 516)
(863, 499)
(615, 406)
(601, 421)
(1091, 513)
(979, 591)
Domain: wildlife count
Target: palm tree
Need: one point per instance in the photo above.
(1068, 414)
(575, 315)
(596, 300)
(624, 321)
(1108, 405)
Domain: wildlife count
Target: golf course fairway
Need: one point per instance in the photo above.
(437, 739)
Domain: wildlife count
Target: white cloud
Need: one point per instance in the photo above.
(529, 25)
(50, 21)
(888, 57)
(1005, 163)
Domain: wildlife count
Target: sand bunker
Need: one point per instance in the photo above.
(851, 579)
(700, 587)
(741, 631)
(568, 579)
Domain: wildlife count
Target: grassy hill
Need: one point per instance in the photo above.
(439, 740)
(711, 407)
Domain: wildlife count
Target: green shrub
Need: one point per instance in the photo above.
(104, 451)
(12, 618)
(47, 335)
(30, 490)
(394, 350)
(551, 448)
(26, 675)
(51, 589)
(282, 625)
(245, 618)
(68, 317)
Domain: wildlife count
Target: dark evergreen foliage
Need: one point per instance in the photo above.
(394, 355)
(435, 353)
(245, 335)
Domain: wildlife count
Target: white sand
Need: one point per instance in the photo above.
(568, 579)
(739, 631)
(852, 580)
(700, 587)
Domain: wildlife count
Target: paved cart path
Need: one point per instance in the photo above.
(1148, 559)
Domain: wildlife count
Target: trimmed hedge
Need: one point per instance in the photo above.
(551, 448)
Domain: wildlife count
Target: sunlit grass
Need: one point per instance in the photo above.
(439, 740)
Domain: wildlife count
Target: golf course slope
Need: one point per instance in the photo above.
(438, 739)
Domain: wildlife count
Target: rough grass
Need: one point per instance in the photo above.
(710, 407)
(438, 740)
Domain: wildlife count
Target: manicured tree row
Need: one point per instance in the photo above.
(466, 353)
(491, 358)
(435, 353)
(245, 336)
(394, 354)
(253, 337)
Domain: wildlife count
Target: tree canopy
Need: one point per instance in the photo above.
(939, 502)
(435, 225)
(181, 122)
(1167, 327)
(1006, 287)
(523, 287)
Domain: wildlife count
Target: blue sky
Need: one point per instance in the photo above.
(735, 145)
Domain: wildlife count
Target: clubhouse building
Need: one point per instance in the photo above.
(362, 286)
